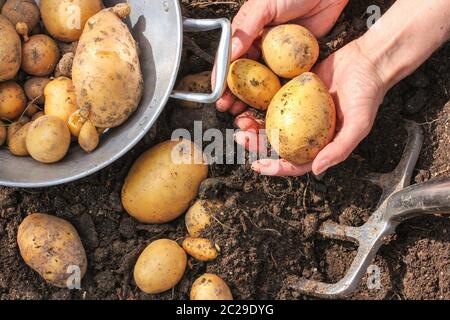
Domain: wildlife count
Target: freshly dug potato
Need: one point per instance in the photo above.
(17, 145)
(253, 83)
(163, 181)
(76, 122)
(3, 133)
(64, 66)
(14, 127)
(31, 110)
(34, 89)
(10, 50)
(60, 99)
(37, 115)
(301, 119)
(65, 19)
(12, 100)
(22, 11)
(210, 287)
(289, 50)
(48, 139)
(199, 83)
(200, 248)
(50, 245)
(40, 54)
(199, 216)
(160, 266)
(106, 71)
(88, 138)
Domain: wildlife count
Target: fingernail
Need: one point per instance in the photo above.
(235, 44)
(323, 166)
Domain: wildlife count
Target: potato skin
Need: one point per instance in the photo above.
(88, 138)
(49, 245)
(301, 119)
(25, 11)
(289, 50)
(200, 248)
(12, 100)
(210, 287)
(48, 139)
(3, 133)
(158, 190)
(57, 13)
(10, 50)
(76, 122)
(199, 83)
(160, 266)
(60, 99)
(106, 71)
(17, 144)
(199, 216)
(34, 89)
(40, 55)
(253, 83)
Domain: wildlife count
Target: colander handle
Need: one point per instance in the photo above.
(222, 59)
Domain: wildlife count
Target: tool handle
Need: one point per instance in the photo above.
(431, 197)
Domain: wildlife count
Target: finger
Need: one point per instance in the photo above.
(226, 101)
(238, 107)
(281, 168)
(249, 121)
(251, 140)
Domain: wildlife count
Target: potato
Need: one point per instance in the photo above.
(200, 248)
(22, 11)
(163, 181)
(160, 266)
(199, 83)
(65, 19)
(301, 119)
(64, 66)
(3, 132)
(199, 216)
(10, 50)
(14, 127)
(106, 71)
(40, 54)
(17, 144)
(34, 89)
(48, 139)
(88, 138)
(51, 246)
(60, 99)
(12, 100)
(289, 50)
(210, 287)
(76, 122)
(31, 110)
(253, 83)
(38, 115)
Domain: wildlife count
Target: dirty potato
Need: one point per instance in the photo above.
(24, 13)
(88, 138)
(34, 89)
(3, 133)
(12, 100)
(253, 83)
(14, 127)
(51, 246)
(160, 266)
(10, 50)
(17, 144)
(198, 83)
(210, 287)
(40, 54)
(200, 248)
(37, 115)
(76, 122)
(64, 66)
(199, 216)
(60, 99)
(301, 119)
(289, 50)
(106, 71)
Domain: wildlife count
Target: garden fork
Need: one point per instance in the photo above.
(398, 203)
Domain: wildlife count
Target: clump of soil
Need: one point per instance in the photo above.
(267, 230)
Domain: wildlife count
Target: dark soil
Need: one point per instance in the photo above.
(268, 228)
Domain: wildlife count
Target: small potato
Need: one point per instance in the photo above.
(51, 246)
(38, 115)
(199, 216)
(22, 11)
(289, 50)
(76, 122)
(40, 55)
(253, 83)
(12, 100)
(163, 181)
(199, 83)
(34, 89)
(64, 66)
(88, 138)
(60, 99)
(200, 248)
(3, 133)
(17, 145)
(10, 50)
(48, 139)
(210, 287)
(31, 110)
(301, 119)
(14, 127)
(160, 266)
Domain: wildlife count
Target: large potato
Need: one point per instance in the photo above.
(48, 139)
(10, 50)
(199, 216)
(290, 50)
(199, 83)
(160, 266)
(3, 133)
(65, 19)
(22, 11)
(253, 83)
(163, 181)
(51, 246)
(106, 71)
(210, 287)
(301, 119)
(12, 100)
(17, 144)
(60, 99)
(34, 89)
(40, 55)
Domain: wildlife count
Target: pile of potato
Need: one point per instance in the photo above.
(74, 74)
